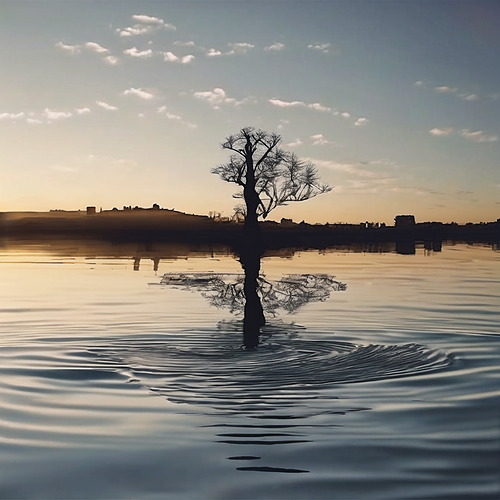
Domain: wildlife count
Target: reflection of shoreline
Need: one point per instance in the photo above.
(170, 250)
(160, 225)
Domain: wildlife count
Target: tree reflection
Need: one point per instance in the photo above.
(253, 294)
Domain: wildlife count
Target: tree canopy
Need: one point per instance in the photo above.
(268, 175)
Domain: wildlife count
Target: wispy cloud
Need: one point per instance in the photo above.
(293, 144)
(282, 123)
(82, 111)
(358, 169)
(72, 49)
(171, 116)
(141, 93)
(469, 97)
(217, 97)
(163, 110)
(144, 24)
(275, 47)
(235, 48)
(112, 60)
(320, 140)
(95, 47)
(106, 106)
(360, 121)
(184, 44)
(478, 136)
(171, 57)
(53, 115)
(326, 48)
(441, 132)
(444, 89)
(11, 116)
(294, 104)
(142, 54)
(148, 20)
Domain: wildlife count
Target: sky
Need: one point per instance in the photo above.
(113, 103)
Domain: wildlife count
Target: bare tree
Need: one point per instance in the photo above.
(268, 175)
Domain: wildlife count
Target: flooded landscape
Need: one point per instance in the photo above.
(123, 373)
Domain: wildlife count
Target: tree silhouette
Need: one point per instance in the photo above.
(268, 175)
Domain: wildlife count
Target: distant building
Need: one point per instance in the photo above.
(404, 220)
(91, 211)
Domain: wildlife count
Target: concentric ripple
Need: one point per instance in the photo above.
(210, 367)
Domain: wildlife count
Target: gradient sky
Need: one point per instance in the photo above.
(113, 103)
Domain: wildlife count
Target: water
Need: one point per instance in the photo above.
(113, 385)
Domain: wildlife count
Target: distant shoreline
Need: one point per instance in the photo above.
(156, 224)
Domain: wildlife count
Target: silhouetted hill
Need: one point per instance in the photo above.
(155, 224)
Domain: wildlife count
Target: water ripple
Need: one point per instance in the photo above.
(288, 370)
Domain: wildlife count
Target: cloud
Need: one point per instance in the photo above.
(145, 24)
(82, 111)
(469, 97)
(184, 44)
(171, 57)
(163, 110)
(236, 48)
(95, 47)
(52, 115)
(111, 60)
(283, 123)
(149, 20)
(286, 104)
(239, 47)
(34, 121)
(213, 53)
(320, 140)
(11, 116)
(72, 49)
(106, 106)
(345, 114)
(354, 168)
(142, 94)
(478, 136)
(440, 132)
(296, 142)
(420, 83)
(134, 52)
(445, 89)
(218, 96)
(276, 46)
(361, 121)
(319, 107)
(326, 48)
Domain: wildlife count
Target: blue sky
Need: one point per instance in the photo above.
(113, 103)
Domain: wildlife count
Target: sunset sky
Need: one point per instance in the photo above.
(113, 103)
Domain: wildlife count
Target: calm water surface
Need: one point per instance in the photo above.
(115, 386)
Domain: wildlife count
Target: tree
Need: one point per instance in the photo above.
(268, 175)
